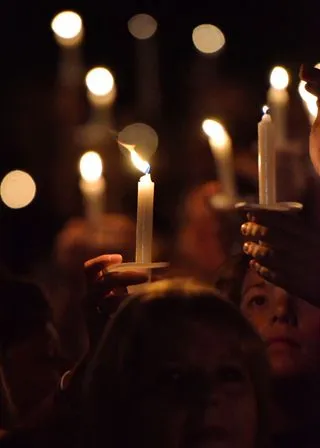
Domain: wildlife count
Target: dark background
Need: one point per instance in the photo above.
(233, 85)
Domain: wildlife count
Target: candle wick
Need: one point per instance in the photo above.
(148, 170)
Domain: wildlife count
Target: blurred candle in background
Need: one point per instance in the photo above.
(143, 28)
(68, 31)
(221, 147)
(278, 99)
(92, 186)
(101, 92)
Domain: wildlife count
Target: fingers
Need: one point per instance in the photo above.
(95, 266)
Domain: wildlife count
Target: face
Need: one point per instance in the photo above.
(290, 326)
(194, 390)
(31, 369)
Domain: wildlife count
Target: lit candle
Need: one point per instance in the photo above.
(92, 186)
(221, 147)
(100, 91)
(144, 227)
(266, 161)
(309, 101)
(68, 32)
(277, 101)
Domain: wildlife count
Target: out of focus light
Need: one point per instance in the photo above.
(99, 81)
(208, 38)
(279, 78)
(309, 100)
(91, 166)
(142, 26)
(142, 136)
(217, 133)
(265, 109)
(67, 27)
(17, 189)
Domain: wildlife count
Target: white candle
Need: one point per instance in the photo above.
(278, 101)
(144, 228)
(144, 220)
(68, 32)
(221, 147)
(92, 186)
(266, 161)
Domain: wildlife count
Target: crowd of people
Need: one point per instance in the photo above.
(222, 351)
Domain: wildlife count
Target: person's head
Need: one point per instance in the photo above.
(29, 345)
(178, 366)
(289, 325)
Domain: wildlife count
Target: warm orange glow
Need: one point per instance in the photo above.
(138, 162)
(279, 78)
(217, 133)
(17, 189)
(208, 38)
(67, 27)
(91, 166)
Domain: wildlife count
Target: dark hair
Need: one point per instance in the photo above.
(108, 379)
(23, 310)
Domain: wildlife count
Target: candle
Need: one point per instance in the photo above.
(92, 186)
(221, 147)
(266, 161)
(143, 28)
(68, 32)
(144, 227)
(278, 101)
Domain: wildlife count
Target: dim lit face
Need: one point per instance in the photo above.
(194, 389)
(289, 325)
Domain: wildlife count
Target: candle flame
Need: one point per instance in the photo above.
(279, 78)
(67, 25)
(91, 166)
(216, 132)
(265, 109)
(138, 162)
(309, 100)
(100, 81)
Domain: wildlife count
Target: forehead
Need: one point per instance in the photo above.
(252, 279)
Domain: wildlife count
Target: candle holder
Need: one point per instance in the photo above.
(148, 268)
(277, 207)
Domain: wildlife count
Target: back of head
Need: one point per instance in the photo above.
(162, 304)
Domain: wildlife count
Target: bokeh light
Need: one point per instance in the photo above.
(216, 132)
(142, 137)
(91, 166)
(67, 27)
(142, 26)
(208, 38)
(99, 81)
(17, 189)
(279, 78)
(309, 100)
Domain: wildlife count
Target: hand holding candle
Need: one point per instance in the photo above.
(278, 101)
